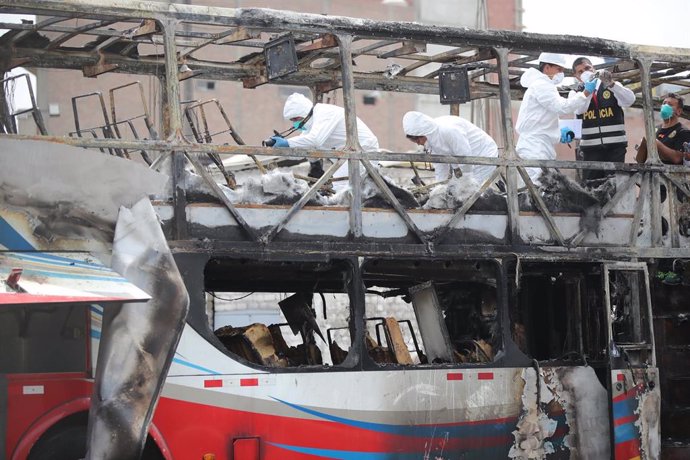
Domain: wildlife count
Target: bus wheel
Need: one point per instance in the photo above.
(68, 443)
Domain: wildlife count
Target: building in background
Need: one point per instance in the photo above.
(254, 114)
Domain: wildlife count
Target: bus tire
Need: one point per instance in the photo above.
(68, 443)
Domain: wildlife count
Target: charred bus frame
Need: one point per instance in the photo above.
(494, 59)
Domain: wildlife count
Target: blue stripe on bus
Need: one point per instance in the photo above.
(626, 432)
(11, 239)
(96, 309)
(194, 366)
(54, 274)
(58, 260)
(479, 453)
(95, 334)
(624, 408)
(470, 429)
(350, 455)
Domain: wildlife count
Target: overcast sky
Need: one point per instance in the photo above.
(646, 22)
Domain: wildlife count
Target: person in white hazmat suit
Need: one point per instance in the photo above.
(537, 121)
(451, 135)
(324, 129)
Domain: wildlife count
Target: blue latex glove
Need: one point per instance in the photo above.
(591, 86)
(567, 135)
(280, 142)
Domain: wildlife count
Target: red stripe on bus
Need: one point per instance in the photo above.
(249, 382)
(623, 420)
(485, 376)
(454, 376)
(213, 383)
(621, 377)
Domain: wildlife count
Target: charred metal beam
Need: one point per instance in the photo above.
(544, 211)
(324, 42)
(337, 249)
(173, 144)
(639, 206)
(222, 197)
(460, 213)
(319, 24)
(77, 31)
(608, 207)
(388, 195)
(506, 107)
(352, 141)
(509, 175)
(99, 68)
(225, 38)
(179, 195)
(406, 49)
(172, 113)
(671, 201)
(270, 234)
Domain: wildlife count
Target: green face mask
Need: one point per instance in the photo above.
(666, 111)
(296, 125)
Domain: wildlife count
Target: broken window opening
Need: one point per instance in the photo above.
(631, 333)
(43, 338)
(281, 314)
(431, 312)
(557, 314)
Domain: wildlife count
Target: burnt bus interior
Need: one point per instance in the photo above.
(415, 312)
(560, 313)
(439, 297)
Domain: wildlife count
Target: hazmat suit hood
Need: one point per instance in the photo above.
(532, 75)
(418, 124)
(297, 105)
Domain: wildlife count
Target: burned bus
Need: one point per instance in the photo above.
(172, 293)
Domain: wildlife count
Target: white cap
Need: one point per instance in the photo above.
(297, 105)
(552, 58)
(418, 124)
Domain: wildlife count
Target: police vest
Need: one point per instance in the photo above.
(603, 124)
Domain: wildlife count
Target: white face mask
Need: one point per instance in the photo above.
(586, 76)
(557, 78)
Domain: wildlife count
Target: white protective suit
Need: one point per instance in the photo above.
(326, 128)
(537, 121)
(452, 135)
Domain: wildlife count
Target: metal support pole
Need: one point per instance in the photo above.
(172, 111)
(508, 144)
(647, 102)
(352, 143)
(652, 152)
(172, 125)
(506, 105)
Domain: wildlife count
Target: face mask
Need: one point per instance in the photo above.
(586, 76)
(296, 125)
(666, 112)
(557, 78)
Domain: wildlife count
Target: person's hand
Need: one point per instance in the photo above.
(606, 78)
(567, 135)
(591, 86)
(280, 142)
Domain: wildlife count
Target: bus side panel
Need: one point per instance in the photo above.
(30, 397)
(636, 408)
(207, 429)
